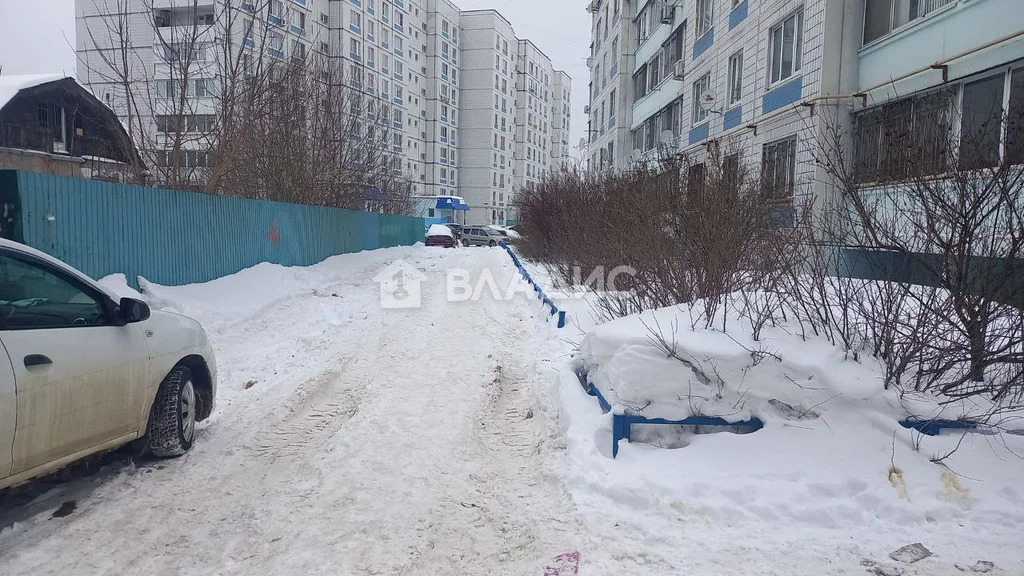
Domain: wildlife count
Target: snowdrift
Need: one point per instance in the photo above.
(831, 452)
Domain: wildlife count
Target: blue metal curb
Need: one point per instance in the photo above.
(621, 423)
(934, 427)
(536, 288)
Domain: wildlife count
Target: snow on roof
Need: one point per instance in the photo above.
(11, 85)
(440, 230)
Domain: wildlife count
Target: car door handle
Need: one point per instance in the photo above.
(36, 360)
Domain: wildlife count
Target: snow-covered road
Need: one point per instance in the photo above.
(454, 439)
(369, 441)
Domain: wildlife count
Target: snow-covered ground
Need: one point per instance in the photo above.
(831, 485)
(454, 438)
(348, 439)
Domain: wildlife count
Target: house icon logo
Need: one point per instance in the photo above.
(400, 285)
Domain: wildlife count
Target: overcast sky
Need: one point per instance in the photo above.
(38, 36)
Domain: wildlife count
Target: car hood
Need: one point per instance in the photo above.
(176, 330)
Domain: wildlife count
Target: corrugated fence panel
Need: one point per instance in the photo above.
(172, 237)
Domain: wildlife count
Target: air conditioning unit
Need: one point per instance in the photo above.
(679, 70)
(586, 110)
(668, 13)
(444, 100)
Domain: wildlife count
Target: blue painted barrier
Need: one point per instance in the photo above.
(934, 427)
(593, 391)
(536, 288)
(621, 423)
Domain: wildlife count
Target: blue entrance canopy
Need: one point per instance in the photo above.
(451, 203)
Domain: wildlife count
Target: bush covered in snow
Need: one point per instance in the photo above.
(740, 249)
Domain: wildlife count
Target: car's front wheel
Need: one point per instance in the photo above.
(172, 420)
(492, 243)
(465, 242)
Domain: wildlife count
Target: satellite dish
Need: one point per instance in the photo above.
(635, 156)
(667, 137)
(583, 142)
(707, 100)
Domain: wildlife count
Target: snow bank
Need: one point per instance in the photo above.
(248, 293)
(832, 466)
(118, 284)
(718, 373)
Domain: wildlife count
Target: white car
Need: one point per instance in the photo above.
(83, 371)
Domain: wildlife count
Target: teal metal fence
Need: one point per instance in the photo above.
(172, 237)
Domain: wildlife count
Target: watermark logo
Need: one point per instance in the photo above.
(598, 280)
(463, 287)
(400, 285)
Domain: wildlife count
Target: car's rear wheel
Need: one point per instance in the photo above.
(172, 420)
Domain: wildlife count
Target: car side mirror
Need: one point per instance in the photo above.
(133, 310)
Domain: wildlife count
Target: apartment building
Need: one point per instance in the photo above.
(757, 84)
(934, 68)
(153, 33)
(446, 80)
(724, 78)
(610, 109)
(561, 116)
(533, 145)
(488, 115)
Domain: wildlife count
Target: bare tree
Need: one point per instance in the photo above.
(934, 207)
(235, 110)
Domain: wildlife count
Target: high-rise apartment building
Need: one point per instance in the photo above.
(561, 115)
(488, 115)
(611, 69)
(758, 85)
(447, 80)
(533, 145)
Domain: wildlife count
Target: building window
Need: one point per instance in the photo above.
(786, 44)
(276, 8)
(357, 19)
(705, 16)
(642, 24)
(672, 52)
(778, 168)
(654, 71)
(640, 82)
(700, 114)
(731, 173)
(695, 181)
(735, 77)
(881, 17)
(982, 122)
(899, 139)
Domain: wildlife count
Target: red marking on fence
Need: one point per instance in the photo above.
(274, 234)
(567, 564)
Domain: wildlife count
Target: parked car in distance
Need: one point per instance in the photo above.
(83, 371)
(440, 235)
(507, 231)
(481, 236)
(456, 229)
